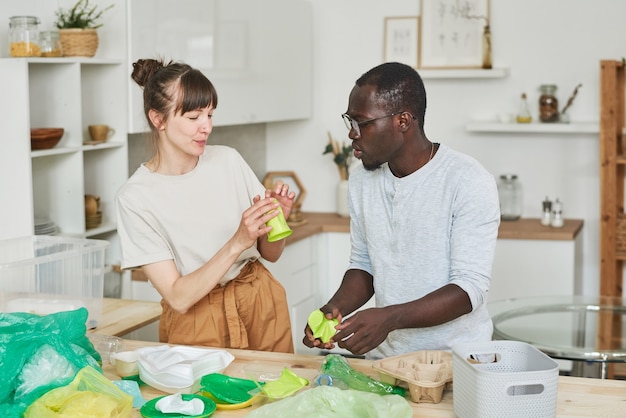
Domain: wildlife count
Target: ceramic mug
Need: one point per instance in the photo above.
(100, 133)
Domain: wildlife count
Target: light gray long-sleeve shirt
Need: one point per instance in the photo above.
(416, 234)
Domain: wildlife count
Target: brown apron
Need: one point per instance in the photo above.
(248, 312)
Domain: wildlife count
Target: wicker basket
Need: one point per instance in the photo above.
(620, 233)
(79, 42)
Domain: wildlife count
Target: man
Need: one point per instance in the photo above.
(424, 224)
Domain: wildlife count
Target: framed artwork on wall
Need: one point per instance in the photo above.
(451, 33)
(401, 40)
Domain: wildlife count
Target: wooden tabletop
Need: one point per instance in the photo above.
(524, 228)
(121, 316)
(577, 396)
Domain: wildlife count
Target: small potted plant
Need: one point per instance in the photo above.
(78, 28)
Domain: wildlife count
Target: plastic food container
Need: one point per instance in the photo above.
(46, 274)
(179, 369)
(503, 379)
(426, 372)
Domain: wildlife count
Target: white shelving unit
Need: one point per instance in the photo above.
(530, 128)
(70, 93)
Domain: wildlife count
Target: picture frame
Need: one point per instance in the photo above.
(451, 33)
(295, 185)
(402, 40)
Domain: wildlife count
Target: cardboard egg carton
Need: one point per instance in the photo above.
(426, 372)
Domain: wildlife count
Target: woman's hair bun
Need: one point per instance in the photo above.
(143, 70)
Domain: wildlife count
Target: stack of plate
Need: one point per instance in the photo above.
(93, 221)
(45, 227)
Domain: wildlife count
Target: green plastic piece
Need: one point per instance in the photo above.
(227, 389)
(322, 327)
(287, 384)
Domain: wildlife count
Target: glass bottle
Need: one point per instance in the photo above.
(487, 64)
(24, 36)
(523, 116)
(510, 194)
(548, 103)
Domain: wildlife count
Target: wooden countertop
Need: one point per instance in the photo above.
(577, 396)
(121, 316)
(525, 228)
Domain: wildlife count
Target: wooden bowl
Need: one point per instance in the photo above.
(45, 138)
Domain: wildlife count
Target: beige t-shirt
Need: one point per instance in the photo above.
(187, 218)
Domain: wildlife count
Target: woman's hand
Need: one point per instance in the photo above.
(254, 219)
(280, 192)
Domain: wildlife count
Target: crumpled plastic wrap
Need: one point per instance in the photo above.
(332, 402)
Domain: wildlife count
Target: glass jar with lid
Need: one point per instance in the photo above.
(50, 44)
(24, 36)
(548, 103)
(510, 194)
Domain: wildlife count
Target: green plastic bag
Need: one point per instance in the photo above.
(40, 353)
(332, 402)
(89, 395)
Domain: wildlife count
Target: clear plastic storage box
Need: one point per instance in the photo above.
(503, 379)
(45, 274)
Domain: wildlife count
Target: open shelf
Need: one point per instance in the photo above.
(550, 128)
(463, 73)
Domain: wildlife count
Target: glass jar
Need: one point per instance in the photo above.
(510, 194)
(548, 103)
(50, 44)
(24, 36)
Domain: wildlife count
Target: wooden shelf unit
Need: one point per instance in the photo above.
(612, 163)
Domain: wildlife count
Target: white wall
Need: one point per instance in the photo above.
(541, 41)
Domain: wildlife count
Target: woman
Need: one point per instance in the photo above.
(194, 218)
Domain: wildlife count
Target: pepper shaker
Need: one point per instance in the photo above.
(546, 218)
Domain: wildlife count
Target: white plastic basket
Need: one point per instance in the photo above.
(503, 379)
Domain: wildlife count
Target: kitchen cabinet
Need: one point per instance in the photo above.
(70, 93)
(551, 263)
(296, 270)
(250, 50)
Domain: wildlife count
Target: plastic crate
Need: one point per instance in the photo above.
(503, 379)
(45, 274)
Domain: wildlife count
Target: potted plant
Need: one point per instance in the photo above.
(78, 28)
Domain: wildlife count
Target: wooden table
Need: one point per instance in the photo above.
(577, 397)
(121, 316)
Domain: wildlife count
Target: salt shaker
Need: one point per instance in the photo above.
(546, 218)
(557, 214)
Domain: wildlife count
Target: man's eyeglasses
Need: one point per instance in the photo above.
(353, 124)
